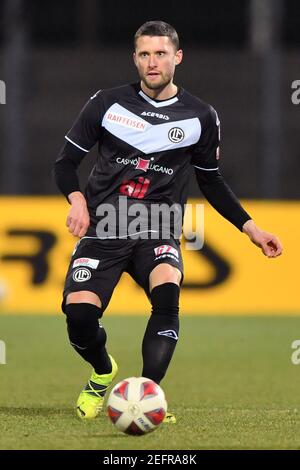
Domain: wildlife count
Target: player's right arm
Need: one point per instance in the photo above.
(78, 219)
(83, 135)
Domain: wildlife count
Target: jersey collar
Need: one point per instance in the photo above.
(158, 103)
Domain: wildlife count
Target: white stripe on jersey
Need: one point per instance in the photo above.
(156, 103)
(76, 145)
(206, 169)
(146, 137)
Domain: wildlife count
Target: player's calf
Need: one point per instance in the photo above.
(161, 334)
(87, 337)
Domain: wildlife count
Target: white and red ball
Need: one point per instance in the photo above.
(136, 405)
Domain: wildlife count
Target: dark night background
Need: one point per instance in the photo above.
(55, 54)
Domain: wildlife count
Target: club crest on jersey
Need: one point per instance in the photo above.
(142, 164)
(176, 135)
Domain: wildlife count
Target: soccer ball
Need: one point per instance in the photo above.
(136, 406)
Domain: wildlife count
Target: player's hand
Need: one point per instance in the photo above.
(269, 244)
(78, 219)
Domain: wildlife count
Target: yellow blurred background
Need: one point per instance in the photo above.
(229, 275)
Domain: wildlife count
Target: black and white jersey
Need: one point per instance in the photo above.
(145, 147)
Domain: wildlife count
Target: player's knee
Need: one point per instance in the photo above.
(165, 299)
(83, 297)
(83, 324)
(164, 273)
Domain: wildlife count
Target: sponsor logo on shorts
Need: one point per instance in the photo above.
(167, 255)
(89, 262)
(160, 250)
(166, 251)
(169, 333)
(81, 275)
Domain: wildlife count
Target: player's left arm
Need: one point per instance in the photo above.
(269, 243)
(219, 194)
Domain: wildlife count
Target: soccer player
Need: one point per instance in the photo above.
(149, 135)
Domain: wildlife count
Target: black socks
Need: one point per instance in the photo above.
(161, 335)
(162, 331)
(87, 337)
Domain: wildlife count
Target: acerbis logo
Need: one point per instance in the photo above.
(157, 115)
(81, 275)
(176, 135)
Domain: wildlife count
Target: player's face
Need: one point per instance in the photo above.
(156, 58)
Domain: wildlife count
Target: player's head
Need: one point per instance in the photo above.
(158, 28)
(156, 53)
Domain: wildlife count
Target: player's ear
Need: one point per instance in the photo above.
(178, 56)
(134, 59)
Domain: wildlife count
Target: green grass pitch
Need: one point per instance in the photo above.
(231, 384)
